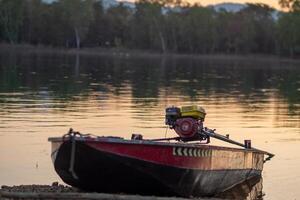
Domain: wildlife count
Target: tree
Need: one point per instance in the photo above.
(292, 5)
(118, 20)
(97, 30)
(262, 20)
(173, 26)
(11, 19)
(289, 27)
(148, 25)
(223, 35)
(35, 18)
(79, 14)
(289, 33)
(198, 29)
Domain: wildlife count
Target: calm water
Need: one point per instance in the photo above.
(45, 95)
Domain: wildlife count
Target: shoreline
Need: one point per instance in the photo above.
(128, 53)
(58, 191)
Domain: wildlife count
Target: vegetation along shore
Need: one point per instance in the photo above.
(153, 25)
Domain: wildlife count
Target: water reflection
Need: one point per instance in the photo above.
(43, 95)
(251, 189)
(62, 80)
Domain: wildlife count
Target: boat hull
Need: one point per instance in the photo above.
(120, 168)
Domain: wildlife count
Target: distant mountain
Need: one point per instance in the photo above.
(48, 1)
(106, 3)
(236, 7)
(111, 3)
(128, 4)
(229, 7)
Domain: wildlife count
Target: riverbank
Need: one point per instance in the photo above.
(127, 53)
(58, 191)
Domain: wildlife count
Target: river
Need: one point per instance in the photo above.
(43, 95)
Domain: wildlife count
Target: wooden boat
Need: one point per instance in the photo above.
(154, 167)
(116, 165)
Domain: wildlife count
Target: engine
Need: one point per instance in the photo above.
(187, 121)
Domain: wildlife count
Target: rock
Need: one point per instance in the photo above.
(4, 187)
(55, 184)
(55, 187)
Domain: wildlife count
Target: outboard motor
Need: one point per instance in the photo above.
(187, 121)
(186, 127)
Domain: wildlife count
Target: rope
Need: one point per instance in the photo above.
(72, 159)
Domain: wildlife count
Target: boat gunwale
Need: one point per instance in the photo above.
(118, 140)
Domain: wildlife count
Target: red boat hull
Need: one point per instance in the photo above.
(141, 167)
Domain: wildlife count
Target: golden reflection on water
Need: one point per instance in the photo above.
(25, 127)
(30, 113)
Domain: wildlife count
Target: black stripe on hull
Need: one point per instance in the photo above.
(105, 172)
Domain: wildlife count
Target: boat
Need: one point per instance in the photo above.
(185, 166)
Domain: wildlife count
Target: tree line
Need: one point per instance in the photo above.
(155, 25)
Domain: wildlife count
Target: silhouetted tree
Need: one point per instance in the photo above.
(11, 18)
(156, 25)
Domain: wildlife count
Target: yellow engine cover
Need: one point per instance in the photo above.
(194, 111)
